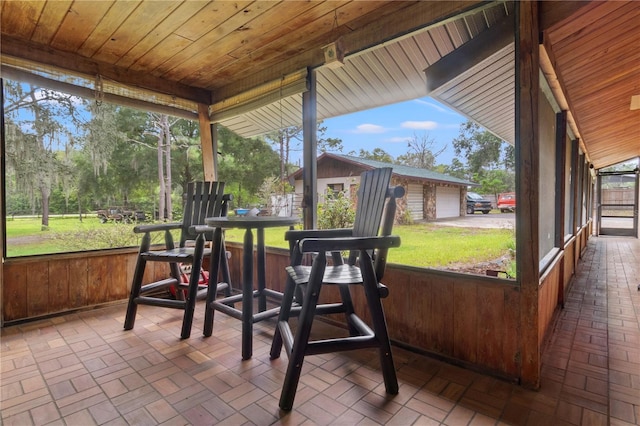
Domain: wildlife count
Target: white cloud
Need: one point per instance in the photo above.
(369, 128)
(419, 125)
(398, 139)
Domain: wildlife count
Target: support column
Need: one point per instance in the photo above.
(527, 177)
(3, 244)
(309, 153)
(209, 143)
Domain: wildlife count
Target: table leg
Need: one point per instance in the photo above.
(247, 295)
(262, 262)
(214, 265)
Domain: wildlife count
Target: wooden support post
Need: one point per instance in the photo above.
(3, 244)
(561, 191)
(309, 153)
(561, 165)
(527, 177)
(208, 142)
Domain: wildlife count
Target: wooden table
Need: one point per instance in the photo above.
(227, 304)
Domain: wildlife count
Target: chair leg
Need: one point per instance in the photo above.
(380, 329)
(136, 286)
(224, 268)
(303, 332)
(190, 303)
(347, 304)
(283, 318)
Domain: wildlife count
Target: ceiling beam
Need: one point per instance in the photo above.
(470, 54)
(78, 65)
(88, 93)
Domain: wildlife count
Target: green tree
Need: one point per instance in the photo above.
(495, 181)
(39, 122)
(244, 165)
(420, 152)
(456, 169)
(288, 139)
(484, 152)
(479, 147)
(378, 154)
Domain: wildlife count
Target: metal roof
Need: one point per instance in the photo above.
(399, 170)
(393, 72)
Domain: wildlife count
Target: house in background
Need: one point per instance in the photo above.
(428, 195)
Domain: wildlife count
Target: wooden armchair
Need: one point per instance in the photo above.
(368, 246)
(203, 199)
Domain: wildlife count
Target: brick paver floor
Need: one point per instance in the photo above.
(83, 369)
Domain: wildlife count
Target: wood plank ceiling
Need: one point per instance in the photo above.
(179, 54)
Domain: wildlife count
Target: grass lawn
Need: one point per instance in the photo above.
(424, 245)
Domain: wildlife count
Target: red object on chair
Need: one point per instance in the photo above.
(185, 276)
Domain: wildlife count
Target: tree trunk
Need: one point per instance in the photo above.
(167, 152)
(161, 196)
(44, 192)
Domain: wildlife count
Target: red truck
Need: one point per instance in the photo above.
(507, 202)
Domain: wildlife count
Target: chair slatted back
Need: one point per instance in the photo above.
(203, 199)
(371, 199)
(374, 185)
(375, 199)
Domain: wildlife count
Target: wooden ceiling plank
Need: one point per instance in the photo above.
(161, 36)
(179, 66)
(79, 22)
(103, 31)
(598, 37)
(210, 17)
(263, 34)
(241, 45)
(623, 81)
(50, 19)
(21, 17)
(603, 61)
(319, 32)
(171, 46)
(583, 17)
(142, 21)
(561, 13)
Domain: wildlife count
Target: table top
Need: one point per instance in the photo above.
(249, 222)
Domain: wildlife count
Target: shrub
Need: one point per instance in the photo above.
(336, 212)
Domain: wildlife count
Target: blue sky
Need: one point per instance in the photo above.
(390, 127)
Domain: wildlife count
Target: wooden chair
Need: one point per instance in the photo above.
(368, 246)
(203, 199)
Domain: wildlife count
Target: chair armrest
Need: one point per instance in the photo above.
(299, 234)
(199, 229)
(140, 229)
(312, 245)
(202, 229)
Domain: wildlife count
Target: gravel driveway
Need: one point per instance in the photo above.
(479, 220)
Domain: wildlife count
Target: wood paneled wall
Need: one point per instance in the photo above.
(43, 285)
(471, 319)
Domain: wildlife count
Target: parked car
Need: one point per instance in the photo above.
(507, 202)
(476, 203)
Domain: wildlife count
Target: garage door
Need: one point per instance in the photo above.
(415, 201)
(447, 202)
